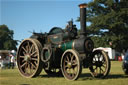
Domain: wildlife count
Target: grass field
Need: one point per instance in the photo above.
(116, 77)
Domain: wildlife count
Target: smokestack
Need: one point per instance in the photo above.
(83, 18)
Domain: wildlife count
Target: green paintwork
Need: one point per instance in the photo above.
(46, 55)
(67, 45)
(56, 38)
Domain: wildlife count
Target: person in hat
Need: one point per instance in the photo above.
(12, 61)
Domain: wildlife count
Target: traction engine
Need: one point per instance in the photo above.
(62, 52)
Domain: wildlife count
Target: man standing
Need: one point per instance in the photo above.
(12, 61)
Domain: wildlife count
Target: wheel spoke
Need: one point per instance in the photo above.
(22, 56)
(72, 58)
(28, 46)
(33, 53)
(23, 64)
(69, 71)
(35, 59)
(66, 61)
(75, 69)
(33, 66)
(101, 69)
(99, 55)
(74, 63)
(35, 63)
(103, 66)
(29, 68)
(24, 53)
(26, 68)
(67, 58)
(23, 61)
(95, 68)
(31, 48)
(24, 49)
(104, 62)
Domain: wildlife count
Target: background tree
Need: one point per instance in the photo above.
(6, 39)
(109, 23)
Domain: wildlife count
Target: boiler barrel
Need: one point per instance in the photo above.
(81, 45)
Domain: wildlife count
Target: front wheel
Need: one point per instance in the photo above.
(71, 65)
(100, 66)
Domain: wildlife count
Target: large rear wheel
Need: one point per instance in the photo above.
(71, 65)
(28, 58)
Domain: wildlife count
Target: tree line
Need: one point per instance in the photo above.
(108, 28)
(109, 23)
(6, 39)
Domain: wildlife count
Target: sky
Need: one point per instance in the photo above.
(26, 16)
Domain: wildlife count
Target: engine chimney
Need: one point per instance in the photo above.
(83, 19)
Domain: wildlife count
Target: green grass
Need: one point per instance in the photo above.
(116, 77)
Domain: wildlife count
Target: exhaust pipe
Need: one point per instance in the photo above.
(83, 19)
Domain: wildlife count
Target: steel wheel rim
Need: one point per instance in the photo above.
(28, 58)
(100, 65)
(71, 67)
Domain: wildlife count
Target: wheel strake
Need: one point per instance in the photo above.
(28, 58)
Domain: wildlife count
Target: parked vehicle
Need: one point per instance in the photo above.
(125, 64)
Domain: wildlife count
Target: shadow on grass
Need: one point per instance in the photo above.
(87, 76)
(115, 76)
(50, 75)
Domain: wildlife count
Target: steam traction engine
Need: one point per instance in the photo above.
(62, 52)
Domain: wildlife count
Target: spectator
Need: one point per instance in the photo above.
(12, 61)
(9, 61)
